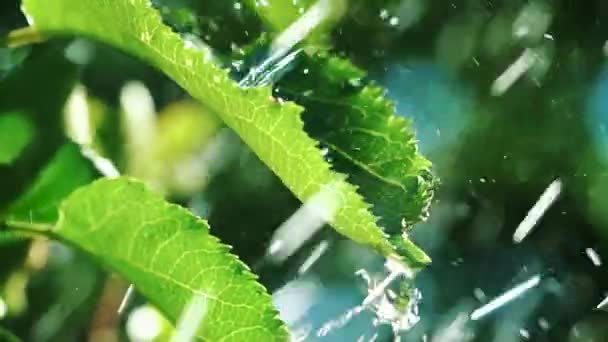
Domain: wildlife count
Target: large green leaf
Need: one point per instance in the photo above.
(170, 257)
(364, 136)
(273, 129)
(16, 132)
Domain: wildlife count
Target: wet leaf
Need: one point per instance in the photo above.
(365, 138)
(170, 257)
(16, 132)
(359, 127)
(274, 130)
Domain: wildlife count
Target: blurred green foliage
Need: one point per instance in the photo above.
(511, 148)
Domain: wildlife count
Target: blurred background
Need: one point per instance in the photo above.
(509, 100)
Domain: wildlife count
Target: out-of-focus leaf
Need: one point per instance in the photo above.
(170, 257)
(274, 130)
(280, 14)
(7, 336)
(183, 148)
(37, 90)
(10, 58)
(67, 171)
(10, 237)
(16, 133)
(62, 296)
(184, 127)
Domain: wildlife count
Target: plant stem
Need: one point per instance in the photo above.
(22, 36)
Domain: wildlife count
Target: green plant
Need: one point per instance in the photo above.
(168, 253)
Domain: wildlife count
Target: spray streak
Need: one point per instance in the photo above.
(319, 250)
(603, 304)
(506, 298)
(303, 224)
(594, 257)
(126, 300)
(190, 320)
(538, 210)
(279, 57)
(514, 72)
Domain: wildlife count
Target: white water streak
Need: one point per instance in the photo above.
(190, 320)
(319, 250)
(301, 28)
(506, 298)
(514, 72)
(303, 224)
(126, 300)
(279, 50)
(545, 201)
(594, 257)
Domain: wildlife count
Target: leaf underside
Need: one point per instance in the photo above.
(273, 130)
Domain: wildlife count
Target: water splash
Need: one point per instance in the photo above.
(399, 308)
(269, 71)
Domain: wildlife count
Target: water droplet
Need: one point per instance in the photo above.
(384, 14)
(324, 151)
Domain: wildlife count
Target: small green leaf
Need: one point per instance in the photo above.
(16, 132)
(170, 257)
(67, 171)
(273, 130)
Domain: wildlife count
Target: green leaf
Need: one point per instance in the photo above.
(170, 257)
(364, 137)
(67, 171)
(16, 132)
(274, 130)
